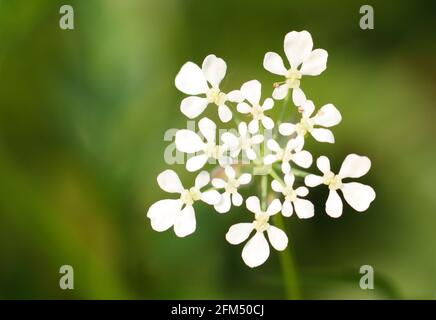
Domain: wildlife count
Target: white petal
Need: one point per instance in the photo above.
(211, 197)
(253, 126)
(235, 96)
(312, 180)
(237, 199)
(207, 128)
(274, 207)
(323, 135)
(202, 179)
(323, 164)
(230, 172)
(256, 250)
(274, 63)
(315, 64)
(251, 90)
(257, 139)
(193, 106)
(286, 129)
(224, 205)
(224, 113)
(238, 233)
(333, 206)
(214, 70)
(196, 163)
(169, 181)
(188, 141)
(270, 159)
(354, 166)
(253, 204)
(276, 186)
(303, 159)
(230, 140)
(298, 97)
(286, 167)
(268, 123)
(268, 104)
(251, 155)
(327, 116)
(298, 46)
(280, 92)
(190, 79)
(219, 183)
(278, 238)
(287, 209)
(359, 196)
(304, 208)
(308, 108)
(185, 223)
(273, 145)
(302, 191)
(242, 129)
(163, 213)
(244, 178)
(243, 108)
(289, 180)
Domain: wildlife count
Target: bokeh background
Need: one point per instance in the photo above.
(82, 119)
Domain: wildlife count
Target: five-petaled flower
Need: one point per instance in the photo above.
(292, 152)
(359, 196)
(245, 142)
(298, 49)
(180, 213)
(256, 250)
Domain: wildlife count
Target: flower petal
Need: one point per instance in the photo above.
(242, 129)
(256, 250)
(169, 181)
(253, 204)
(323, 164)
(235, 96)
(268, 123)
(289, 180)
(273, 145)
(188, 141)
(214, 70)
(196, 163)
(243, 108)
(270, 159)
(286, 129)
(298, 46)
(327, 116)
(190, 79)
(219, 183)
(277, 238)
(308, 108)
(359, 196)
(323, 135)
(251, 91)
(304, 208)
(274, 207)
(163, 213)
(287, 208)
(237, 199)
(302, 191)
(298, 97)
(185, 223)
(230, 172)
(202, 179)
(257, 139)
(276, 186)
(244, 178)
(208, 129)
(268, 104)
(230, 140)
(239, 232)
(224, 113)
(315, 64)
(303, 159)
(274, 63)
(312, 180)
(251, 154)
(211, 197)
(354, 166)
(280, 92)
(286, 167)
(333, 206)
(253, 126)
(224, 205)
(193, 106)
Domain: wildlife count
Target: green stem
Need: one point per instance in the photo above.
(289, 269)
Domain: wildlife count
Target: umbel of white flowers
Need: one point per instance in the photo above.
(282, 152)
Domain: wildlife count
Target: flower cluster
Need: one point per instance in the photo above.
(279, 155)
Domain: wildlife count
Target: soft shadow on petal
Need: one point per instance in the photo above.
(256, 250)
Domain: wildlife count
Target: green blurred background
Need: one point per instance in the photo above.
(82, 119)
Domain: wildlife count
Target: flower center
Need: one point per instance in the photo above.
(305, 125)
(213, 151)
(232, 186)
(261, 223)
(189, 196)
(333, 181)
(293, 78)
(257, 112)
(215, 96)
(289, 194)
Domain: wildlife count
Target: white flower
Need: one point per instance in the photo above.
(327, 116)
(292, 152)
(251, 91)
(194, 81)
(230, 194)
(179, 212)
(298, 49)
(190, 142)
(256, 250)
(303, 208)
(359, 196)
(244, 142)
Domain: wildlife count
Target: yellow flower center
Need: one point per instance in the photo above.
(289, 194)
(293, 78)
(215, 96)
(189, 196)
(333, 181)
(232, 186)
(305, 125)
(257, 112)
(261, 223)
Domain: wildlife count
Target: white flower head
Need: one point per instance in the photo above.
(244, 143)
(251, 91)
(292, 198)
(292, 152)
(327, 116)
(180, 213)
(190, 142)
(298, 49)
(256, 250)
(230, 194)
(205, 81)
(359, 196)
